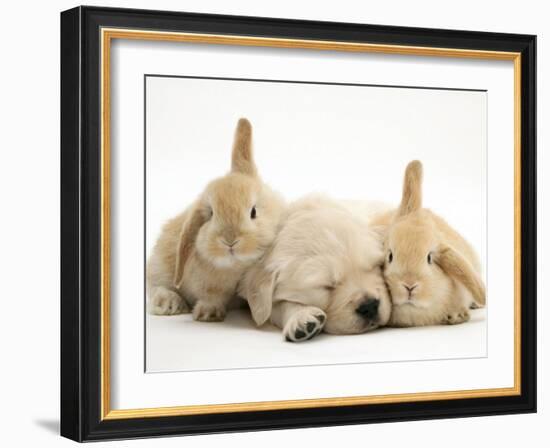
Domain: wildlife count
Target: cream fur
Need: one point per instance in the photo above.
(192, 265)
(443, 286)
(323, 264)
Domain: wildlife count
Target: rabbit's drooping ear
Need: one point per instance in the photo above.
(457, 267)
(242, 160)
(258, 288)
(412, 189)
(186, 243)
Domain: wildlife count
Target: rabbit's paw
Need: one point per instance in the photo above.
(166, 302)
(457, 317)
(208, 312)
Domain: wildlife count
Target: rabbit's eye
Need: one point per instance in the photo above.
(430, 258)
(253, 213)
(390, 257)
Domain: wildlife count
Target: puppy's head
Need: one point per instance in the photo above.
(357, 298)
(324, 258)
(358, 301)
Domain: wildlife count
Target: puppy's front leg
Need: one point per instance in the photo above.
(298, 322)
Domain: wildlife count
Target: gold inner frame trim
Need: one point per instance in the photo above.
(107, 35)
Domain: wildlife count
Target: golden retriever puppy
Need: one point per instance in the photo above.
(322, 273)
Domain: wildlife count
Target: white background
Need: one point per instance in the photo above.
(349, 142)
(29, 184)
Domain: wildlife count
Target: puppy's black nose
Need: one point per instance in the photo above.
(369, 308)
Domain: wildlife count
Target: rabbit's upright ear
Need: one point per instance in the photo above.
(412, 189)
(258, 288)
(457, 267)
(242, 160)
(186, 243)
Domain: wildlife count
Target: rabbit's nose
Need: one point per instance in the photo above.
(230, 244)
(229, 235)
(409, 288)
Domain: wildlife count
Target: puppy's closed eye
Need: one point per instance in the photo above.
(332, 286)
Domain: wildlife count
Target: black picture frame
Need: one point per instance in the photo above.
(81, 224)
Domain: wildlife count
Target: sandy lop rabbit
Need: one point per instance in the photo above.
(202, 253)
(432, 272)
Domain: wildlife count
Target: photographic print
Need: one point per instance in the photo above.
(279, 224)
(305, 221)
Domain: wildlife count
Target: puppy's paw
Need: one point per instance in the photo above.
(304, 324)
(457, 317)
(166, 302)
(208, 312)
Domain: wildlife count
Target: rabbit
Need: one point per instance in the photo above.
(432, 272)
(202, 253)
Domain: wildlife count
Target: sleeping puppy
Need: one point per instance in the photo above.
(322, 273)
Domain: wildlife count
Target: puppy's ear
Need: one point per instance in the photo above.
(457, 267)
(411, 199)
(258, 288)
(380, 233)
(186, 244)
(242, 160)
(377, 248)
